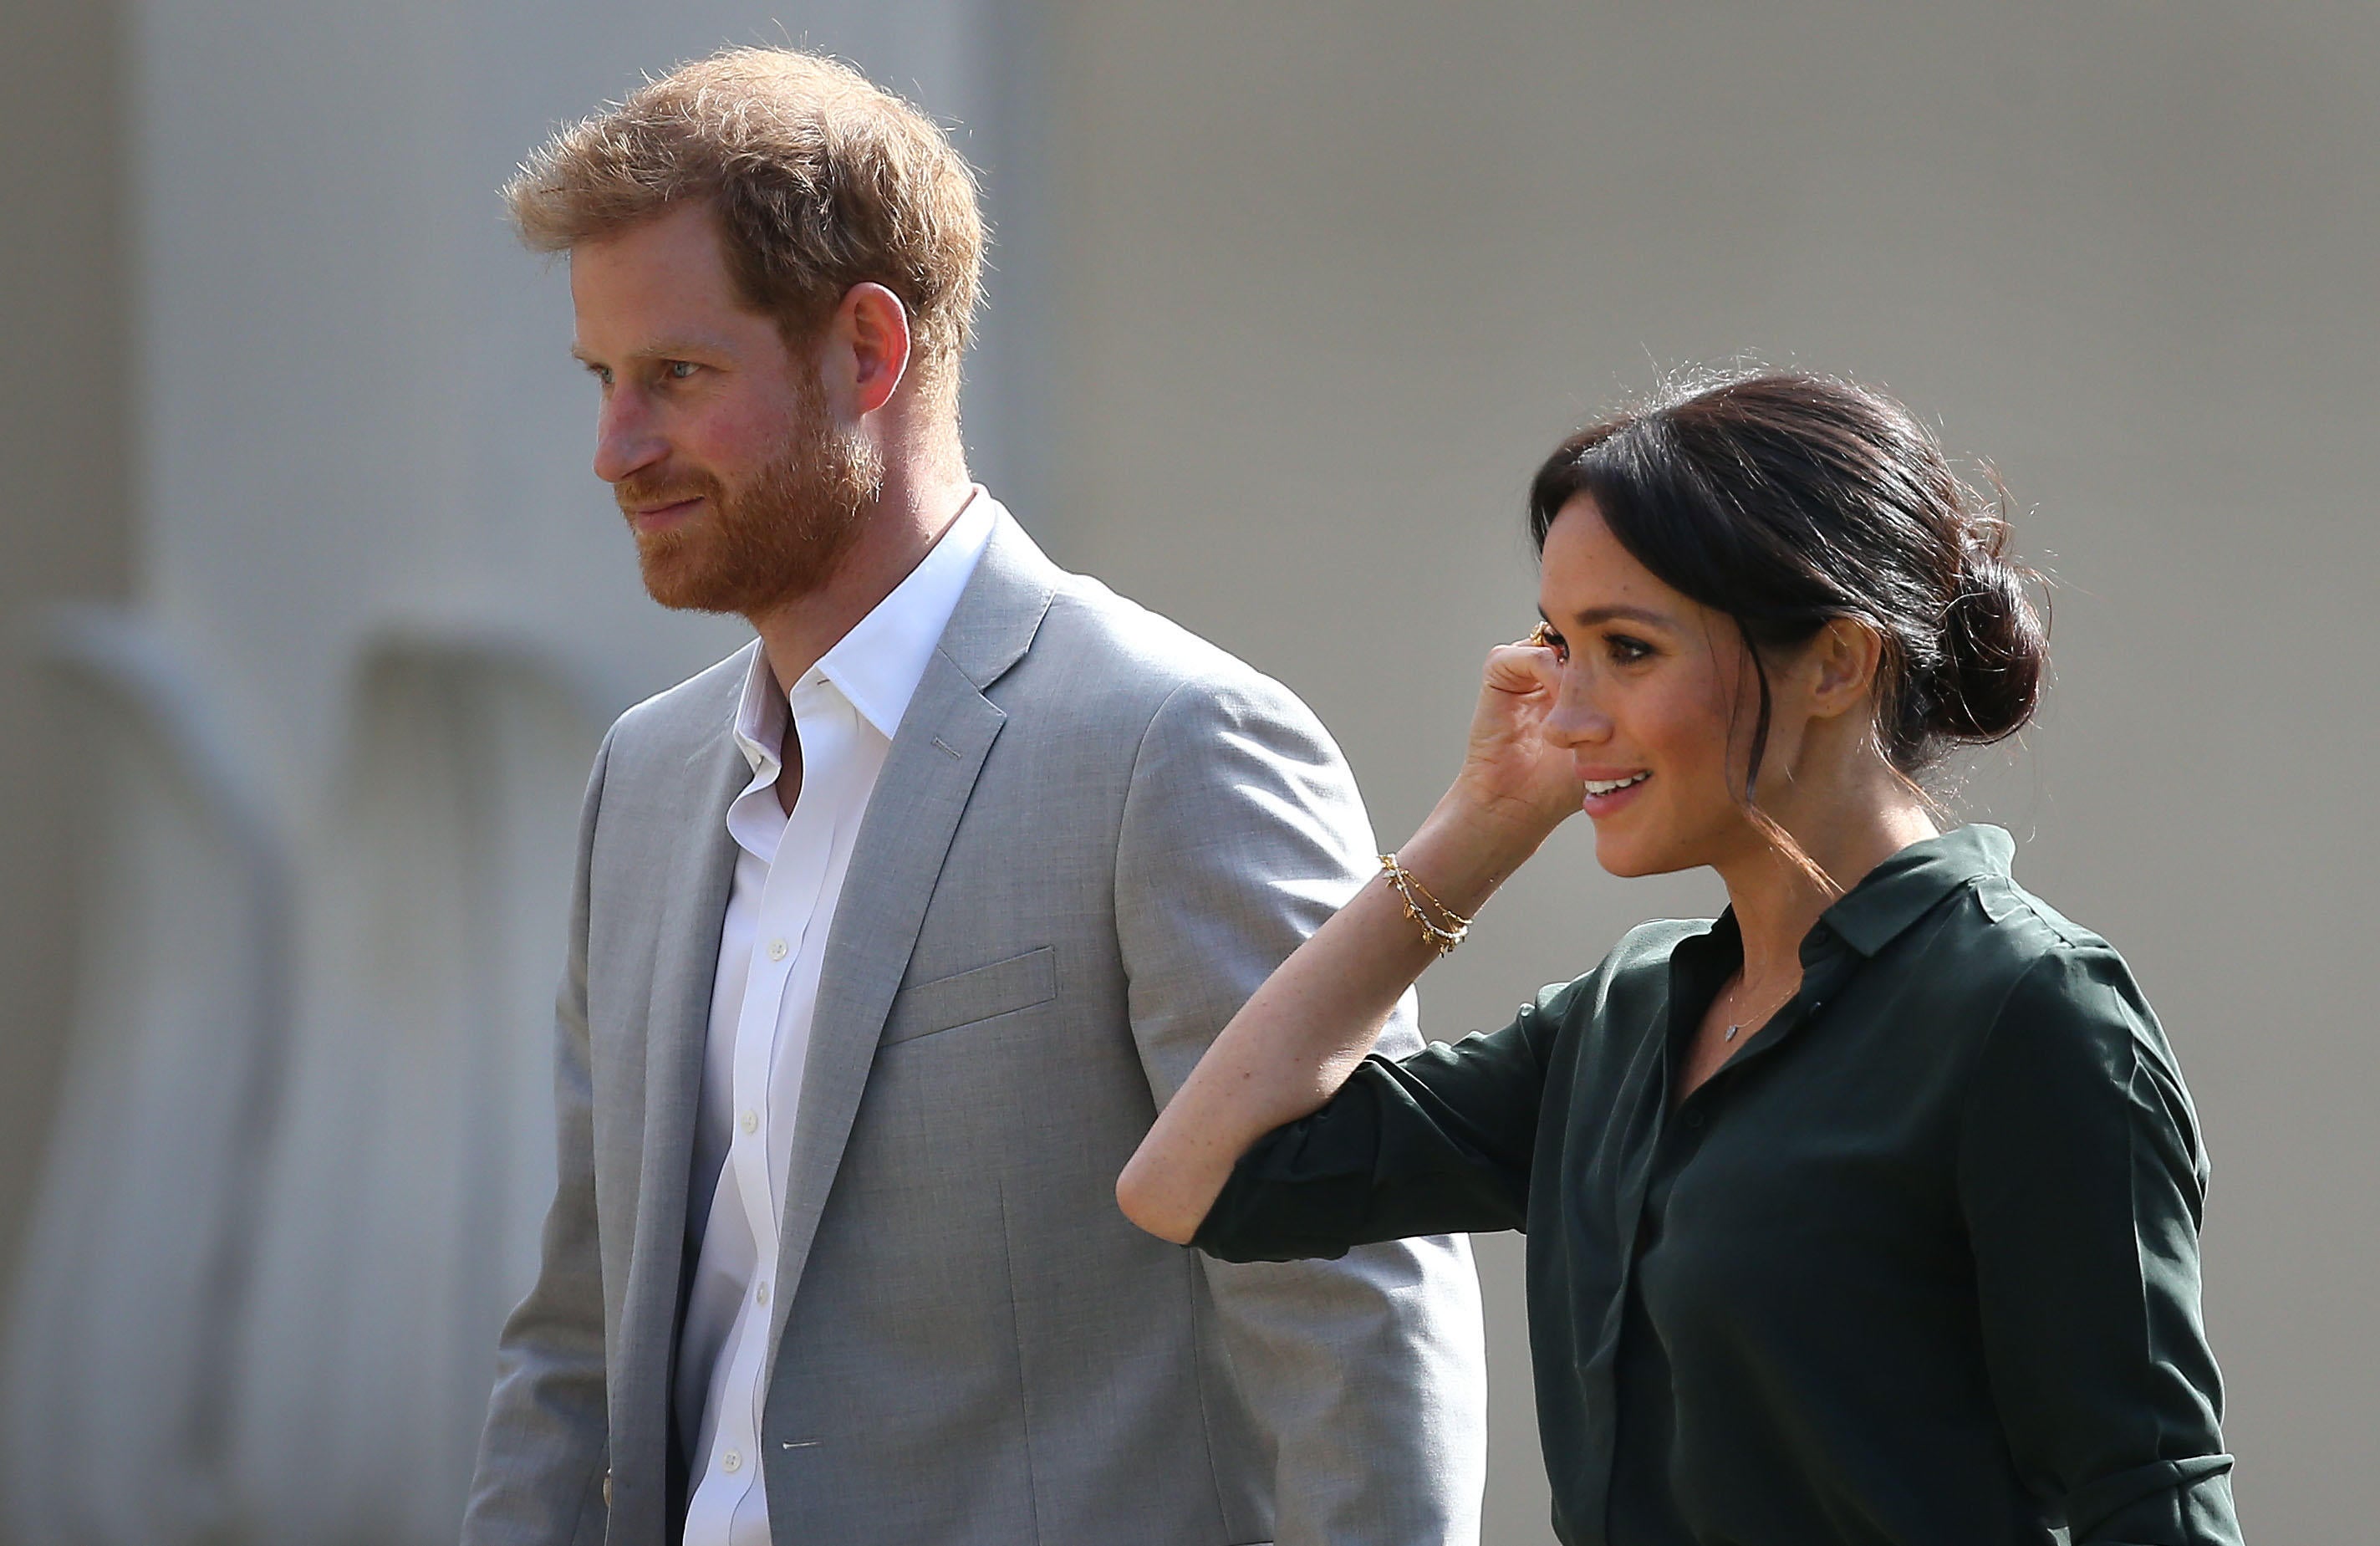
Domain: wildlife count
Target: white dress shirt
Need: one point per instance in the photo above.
(789, 874)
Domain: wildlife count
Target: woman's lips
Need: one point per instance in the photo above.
(1611, 797)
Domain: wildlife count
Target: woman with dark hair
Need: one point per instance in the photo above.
(1868, 1212)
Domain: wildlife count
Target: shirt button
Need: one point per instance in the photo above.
(749, 1122)
(761, 1293)
(731, 1462)
(776, 950)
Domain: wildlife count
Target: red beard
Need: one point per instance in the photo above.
(769, 540)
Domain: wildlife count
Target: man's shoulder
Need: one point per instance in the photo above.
(673, 723)
(1098, 648)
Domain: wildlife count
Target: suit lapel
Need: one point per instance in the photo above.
(677, 1025)
(929, 775)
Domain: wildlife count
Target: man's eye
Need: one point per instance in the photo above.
(679, 369)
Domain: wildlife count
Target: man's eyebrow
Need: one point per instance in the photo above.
(656, 349)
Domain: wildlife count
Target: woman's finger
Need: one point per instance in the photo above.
(1521, 667)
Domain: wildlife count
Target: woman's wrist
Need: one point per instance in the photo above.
(1468, 846)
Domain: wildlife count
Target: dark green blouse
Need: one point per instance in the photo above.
(1919, 1264)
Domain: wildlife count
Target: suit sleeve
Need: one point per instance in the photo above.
(1242, 832)
(2082, 1180)
(543, 1455)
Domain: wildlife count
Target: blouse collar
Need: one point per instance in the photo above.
(1905, 887)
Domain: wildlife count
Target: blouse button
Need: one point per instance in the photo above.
(1694, 1120)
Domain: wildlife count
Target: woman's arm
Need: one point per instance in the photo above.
(2082, 1178)
(1294, 1044)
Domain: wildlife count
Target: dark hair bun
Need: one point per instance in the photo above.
(1994, 644)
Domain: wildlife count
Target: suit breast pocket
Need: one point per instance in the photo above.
(969, 997)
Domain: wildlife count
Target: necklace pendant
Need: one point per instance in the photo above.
(1730, 1033)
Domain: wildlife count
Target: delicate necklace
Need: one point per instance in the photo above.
(1771, 1010)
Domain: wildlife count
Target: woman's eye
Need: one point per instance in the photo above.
(1627, 651)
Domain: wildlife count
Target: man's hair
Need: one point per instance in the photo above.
(821, 180)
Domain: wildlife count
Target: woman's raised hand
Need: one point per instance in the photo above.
(1513, 777)
(1294, 1041)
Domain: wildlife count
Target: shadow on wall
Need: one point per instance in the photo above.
(135, 1256)
(305, 1142)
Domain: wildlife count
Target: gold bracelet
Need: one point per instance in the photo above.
(1446, 935)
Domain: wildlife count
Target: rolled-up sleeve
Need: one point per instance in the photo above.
(1437, 1142)
(2082, 1181)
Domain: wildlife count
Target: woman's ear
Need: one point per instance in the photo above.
(1841, 662)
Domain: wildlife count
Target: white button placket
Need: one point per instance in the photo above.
(825, 724)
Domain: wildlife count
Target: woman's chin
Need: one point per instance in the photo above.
(1618, 857)
(1626, 855)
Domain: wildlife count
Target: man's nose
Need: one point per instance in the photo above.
(626, 440)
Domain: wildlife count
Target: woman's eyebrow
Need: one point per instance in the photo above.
(1598, 614)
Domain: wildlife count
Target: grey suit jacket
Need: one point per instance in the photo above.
(1093, 836)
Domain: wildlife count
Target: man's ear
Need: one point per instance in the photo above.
(1841, 662)
(868, 346)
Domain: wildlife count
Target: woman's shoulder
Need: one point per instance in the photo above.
(2070, 1037)
(1637, 967)
(2062, 996)
(2009, 934)
(2028, 923)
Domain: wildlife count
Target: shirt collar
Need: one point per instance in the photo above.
(1905, 887)
(877, 665)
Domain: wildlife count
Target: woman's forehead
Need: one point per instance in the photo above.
(1586, 575)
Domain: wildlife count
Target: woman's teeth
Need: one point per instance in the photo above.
(1601, 787)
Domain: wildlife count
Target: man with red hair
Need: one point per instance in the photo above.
(893, 930)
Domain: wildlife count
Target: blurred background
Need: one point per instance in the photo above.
(311, 610)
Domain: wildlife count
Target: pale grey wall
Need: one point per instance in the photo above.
(62, 518)
(1335, 276)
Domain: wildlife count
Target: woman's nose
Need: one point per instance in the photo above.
(1575, 723)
